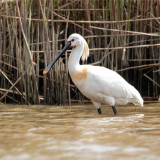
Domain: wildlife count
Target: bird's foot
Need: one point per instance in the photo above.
(99, 111)
(114, 110)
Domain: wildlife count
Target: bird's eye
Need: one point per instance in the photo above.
(72, 40)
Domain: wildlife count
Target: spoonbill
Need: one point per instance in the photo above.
(99, 84)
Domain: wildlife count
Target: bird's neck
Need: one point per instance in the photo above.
(74, 58)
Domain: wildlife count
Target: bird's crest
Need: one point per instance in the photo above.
(85, 53)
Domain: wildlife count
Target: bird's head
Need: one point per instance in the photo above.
(74, 40)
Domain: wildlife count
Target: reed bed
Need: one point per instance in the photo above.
(122, 35)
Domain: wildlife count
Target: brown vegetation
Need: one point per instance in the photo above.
(123, 35)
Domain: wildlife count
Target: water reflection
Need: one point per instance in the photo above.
(44, 132)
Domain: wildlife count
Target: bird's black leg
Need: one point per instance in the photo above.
(114, 110)
(99, 111)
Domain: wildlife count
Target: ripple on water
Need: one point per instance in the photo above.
(79, 146)
(131, 149)
(107, 120)
(110, 124)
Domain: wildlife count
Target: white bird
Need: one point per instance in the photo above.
(99, 84)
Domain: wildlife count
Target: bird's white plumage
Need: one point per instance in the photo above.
(99, 84)
(106, 86)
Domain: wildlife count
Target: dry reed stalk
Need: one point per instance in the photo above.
(14, 100)
(84, 22)
(29, 56)
(10, 83)
(126, 47)
(13, 85)
(120, 35)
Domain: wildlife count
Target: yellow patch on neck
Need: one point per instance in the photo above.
(85, 53)
(74, 47)
(81, 75)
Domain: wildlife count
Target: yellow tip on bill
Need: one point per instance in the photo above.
(44, 72)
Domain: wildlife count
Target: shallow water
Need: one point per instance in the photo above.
(78, 132)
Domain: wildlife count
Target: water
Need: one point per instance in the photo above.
(78, 132)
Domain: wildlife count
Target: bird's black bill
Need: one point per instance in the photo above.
(62, 52)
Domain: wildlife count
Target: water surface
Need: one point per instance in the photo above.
(78, 132)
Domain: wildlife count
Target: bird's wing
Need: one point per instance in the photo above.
(110, 83)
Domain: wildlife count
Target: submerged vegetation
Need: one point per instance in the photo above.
(123, 35)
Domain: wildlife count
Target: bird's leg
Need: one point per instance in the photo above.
(99, 111)
(98, 106)
(114, 110)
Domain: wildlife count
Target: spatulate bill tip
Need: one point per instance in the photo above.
(44, 72)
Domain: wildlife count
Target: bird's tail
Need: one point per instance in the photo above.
(137, 98)
(140, 103)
